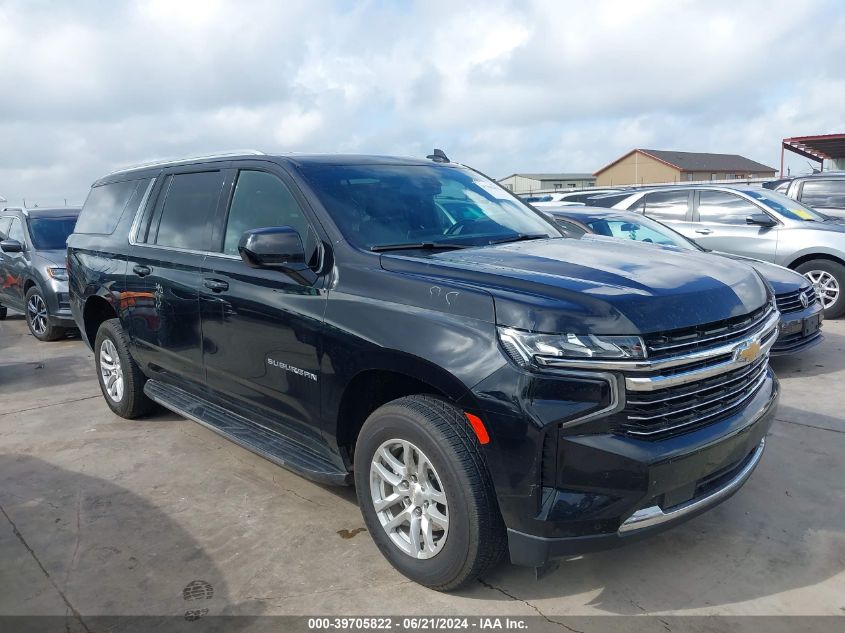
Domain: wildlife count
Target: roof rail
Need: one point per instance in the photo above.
(174, 161)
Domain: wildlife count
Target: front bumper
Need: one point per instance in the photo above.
(589, 489)
(800, 330)
(58, 303)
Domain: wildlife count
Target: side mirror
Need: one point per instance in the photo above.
(279, 248)
(11, 246)
(760, 219)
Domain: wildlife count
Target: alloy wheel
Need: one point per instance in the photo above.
(111, 371)
(409, 499)
(826, 286)
(36, 312)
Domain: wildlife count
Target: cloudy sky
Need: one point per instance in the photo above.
(503, 86)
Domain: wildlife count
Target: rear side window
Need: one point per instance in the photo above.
(824, 193)
(106, 204)
(183, 215)
(724, 208)
(667, 205)
(602, 200)
(261, 200)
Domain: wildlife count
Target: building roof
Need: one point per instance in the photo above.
(553, 176)
(818, 147)
(700, 161)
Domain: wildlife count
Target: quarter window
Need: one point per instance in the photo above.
(261, 200)
(721, 207)
(667, 205)
(824, 193)
(184, 217)
(106, 204)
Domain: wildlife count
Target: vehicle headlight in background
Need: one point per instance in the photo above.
(58, 273)
(523, 347)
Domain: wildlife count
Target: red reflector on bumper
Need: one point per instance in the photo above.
(478, 426)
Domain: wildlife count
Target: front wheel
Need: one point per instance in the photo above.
(828, 279)
(38, 319)
(425, 493)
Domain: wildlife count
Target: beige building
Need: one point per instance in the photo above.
(529, 183)
(645, 166)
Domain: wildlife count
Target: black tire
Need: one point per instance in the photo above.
(133, 402)
(837, 271)
(3, 312)
(476, 538)
(39, 323)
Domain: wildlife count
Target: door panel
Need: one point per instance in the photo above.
(262, 327)
(722, 226)
(261, 333)
(164, 274)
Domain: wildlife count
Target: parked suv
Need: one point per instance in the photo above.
(33, 278)
(824, 191)
(754, 222)
(414, 328)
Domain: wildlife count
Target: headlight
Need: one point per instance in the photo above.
(524, 347)
(58, 273)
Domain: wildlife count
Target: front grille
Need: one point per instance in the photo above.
(704, 336)
(791, 301)
(689, 406)
(700, 391)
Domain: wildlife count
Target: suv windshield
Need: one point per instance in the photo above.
(50, 234)
(435, 205)
(785, 205)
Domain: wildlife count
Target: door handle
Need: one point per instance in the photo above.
(142, 271)
(215, 285)
(704, 231)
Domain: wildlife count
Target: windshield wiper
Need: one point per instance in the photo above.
(520, 237)
(379, 248)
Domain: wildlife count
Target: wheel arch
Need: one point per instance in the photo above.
(381, 378)
(807, 257)
(96, 310)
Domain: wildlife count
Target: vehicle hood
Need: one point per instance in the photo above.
(781, 279)
(569, 285)
(53, 257)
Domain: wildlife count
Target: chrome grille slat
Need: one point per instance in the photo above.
(791, 301)
(698, 421)
(751, 369)
(726, 397)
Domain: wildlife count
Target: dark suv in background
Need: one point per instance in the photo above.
(33, 278)
(412, 327)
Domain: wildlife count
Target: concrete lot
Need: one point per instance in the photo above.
(105, 516)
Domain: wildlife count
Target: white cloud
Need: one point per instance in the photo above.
(504, 86)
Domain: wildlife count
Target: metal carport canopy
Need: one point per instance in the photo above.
(819, 148)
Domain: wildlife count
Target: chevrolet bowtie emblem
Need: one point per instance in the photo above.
(748, 352)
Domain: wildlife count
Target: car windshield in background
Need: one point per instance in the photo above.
(785, 205)
(423, 206)
(643, 230)
(50, 234)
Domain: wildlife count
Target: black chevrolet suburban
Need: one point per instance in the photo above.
(411, 327)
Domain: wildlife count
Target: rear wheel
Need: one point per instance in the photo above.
(121, 380)
(425, 492)
(38, 318)
(828, 278)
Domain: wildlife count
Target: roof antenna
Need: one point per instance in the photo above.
(438, 156)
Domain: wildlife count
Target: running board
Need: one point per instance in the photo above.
(279, 449)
